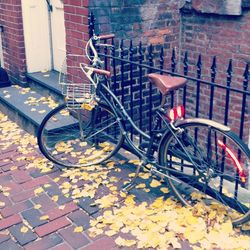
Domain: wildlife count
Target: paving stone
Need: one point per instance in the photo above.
(36, 182)
(76, 240)
(46, 203)
(6, 200)
(5, 177)
(52, 226)
(7, 167)
(62, 200)
(4, 237)
(53, 189)
(10, 245)
(46, 242)
(9, 155)
(63, 246)
(21, 176)
(104, 243)
(14, 187)
(10, 221)
(10, 148)
(22, 238)
(17, 208)
(85, 205)
(33, 217)
(21, 196)
(35, 172)
(80, 218)
(56, 213)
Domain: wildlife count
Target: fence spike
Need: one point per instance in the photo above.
(173, 60)
(230, 67)
(140, 51)
(91, 20)
(162, 58)
(185, 63)
(131, 49)
(150, 54)
(246, 77)
(213, 69)
(199, 62)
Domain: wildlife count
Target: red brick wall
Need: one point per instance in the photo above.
(13, 39)
(76, 25)
(226, 37)
(155, 22)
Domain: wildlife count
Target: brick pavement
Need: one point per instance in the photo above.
(21, 207)
(37, 211)
(18, 204)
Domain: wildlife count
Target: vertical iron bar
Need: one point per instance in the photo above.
(91, 22)
(198, 73)
(161, 72)
(173, 68)
(242, 118)
(213, 76)
(161, 59)
(150, 59)
(122, 70)
(131, 52)
(229, 80)
(105, 57)
(140, 84)
(114, 67)
(185, 70)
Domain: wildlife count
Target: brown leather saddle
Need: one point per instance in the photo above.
(166, 83)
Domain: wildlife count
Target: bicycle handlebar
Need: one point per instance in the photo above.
(90, 45)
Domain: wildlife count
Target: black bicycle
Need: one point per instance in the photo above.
(193, 154)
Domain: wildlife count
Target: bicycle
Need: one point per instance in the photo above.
(192, 154)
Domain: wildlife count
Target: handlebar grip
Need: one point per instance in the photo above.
(108, 36)
(102, 72)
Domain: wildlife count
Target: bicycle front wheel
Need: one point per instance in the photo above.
(211, 166)
(79, 137)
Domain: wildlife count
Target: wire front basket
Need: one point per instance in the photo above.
(76, 86)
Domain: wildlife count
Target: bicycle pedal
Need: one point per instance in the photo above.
(128, 187)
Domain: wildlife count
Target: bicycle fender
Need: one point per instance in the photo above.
(204, 121)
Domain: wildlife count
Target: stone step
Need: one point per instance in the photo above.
(26, 107)
(46, 83)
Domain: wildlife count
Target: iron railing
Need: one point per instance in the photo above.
(213, 95)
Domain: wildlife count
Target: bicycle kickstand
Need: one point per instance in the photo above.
(132, 183)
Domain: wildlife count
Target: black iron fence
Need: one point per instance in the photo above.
(214, 94)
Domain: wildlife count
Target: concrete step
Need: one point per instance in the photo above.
(25, 106)
(46, 83)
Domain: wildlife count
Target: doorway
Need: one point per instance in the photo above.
(44, 34)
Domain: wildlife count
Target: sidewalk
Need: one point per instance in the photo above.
(45, 207)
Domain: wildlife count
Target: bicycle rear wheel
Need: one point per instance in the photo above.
(219, 181)
(79, 137)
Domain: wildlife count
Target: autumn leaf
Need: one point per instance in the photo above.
(155, 183)
(24, 229)
(37, 206)
(44, 217)
(78, 229)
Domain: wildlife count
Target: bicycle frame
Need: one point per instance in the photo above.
(147, 158)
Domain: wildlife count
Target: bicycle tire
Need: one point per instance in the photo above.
(78, 138)
(215, 163)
